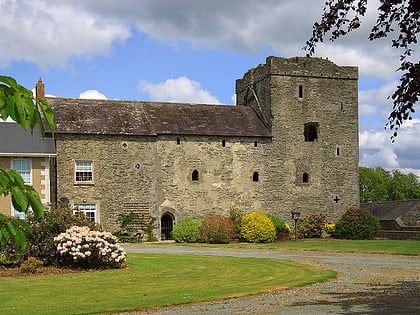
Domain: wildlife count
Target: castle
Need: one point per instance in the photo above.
(290, 143)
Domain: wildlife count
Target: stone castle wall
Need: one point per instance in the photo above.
(153, 175)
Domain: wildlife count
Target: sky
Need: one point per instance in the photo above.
(193, 51)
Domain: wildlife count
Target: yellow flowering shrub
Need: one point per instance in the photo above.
(256, 227)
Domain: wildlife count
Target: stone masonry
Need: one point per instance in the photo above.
(290, 143)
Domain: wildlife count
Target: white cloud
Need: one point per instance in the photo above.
(181, 89)
(92, 94)
(385, 157)
(49, 33)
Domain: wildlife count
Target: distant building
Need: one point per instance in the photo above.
(291, 142)
(31, 156)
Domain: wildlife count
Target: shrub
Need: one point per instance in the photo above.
(282, 228)
(9, 256)
(30, 265)
(186, 231)
(329, 228)
(80, 247)
(217, 230)
(357, 224)
(312, 225)
(41, 242)
(256, 227)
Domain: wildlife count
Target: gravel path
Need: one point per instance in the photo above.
(367, 284)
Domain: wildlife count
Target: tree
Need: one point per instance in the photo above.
(19, 104)
(378, 184)
(343, 16)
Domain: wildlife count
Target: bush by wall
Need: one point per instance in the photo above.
(256, 227)
(217, 230)
(357, 224)
(41, 243)
(312, 225)
(282, 228)
(186, 231)
(82, 248)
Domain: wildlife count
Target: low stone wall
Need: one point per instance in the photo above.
(404, 234)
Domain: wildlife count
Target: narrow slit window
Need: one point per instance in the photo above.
(223, 143)
(194, 175)
(300, 91)
(255, 144)
(178, 140)
(337, 151)
(305, 178)
(255, 177)
(341, 106)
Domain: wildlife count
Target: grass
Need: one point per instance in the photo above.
(154, 280)
(395, 247)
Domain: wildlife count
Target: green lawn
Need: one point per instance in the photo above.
(396, 247)
(153, 280)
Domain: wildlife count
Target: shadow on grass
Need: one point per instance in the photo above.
(398, 298)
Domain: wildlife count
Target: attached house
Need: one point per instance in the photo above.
(31, 156)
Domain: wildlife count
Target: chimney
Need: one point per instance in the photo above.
(40, 89)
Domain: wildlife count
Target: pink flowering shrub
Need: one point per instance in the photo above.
(82, 248)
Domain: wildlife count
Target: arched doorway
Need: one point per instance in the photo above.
(166, 226)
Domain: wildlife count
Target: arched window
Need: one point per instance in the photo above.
(255, 177)
(305, 178)
(194, 175)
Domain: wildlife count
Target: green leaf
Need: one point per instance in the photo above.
(25, 225)
(35, 202)
(9, 81)
(15, 178)
(48, 113)
(19, 199)
(11, 108)
(25, 109)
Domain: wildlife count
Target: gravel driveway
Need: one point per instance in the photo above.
(367, 284)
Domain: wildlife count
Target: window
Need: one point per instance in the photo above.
(311, 131)
(178, 140)
(255, 144)
(87, 209)
(305, 178)
(255, 177)
(23, 167)
(300, 91)
(223, 143)
(84, 171)
(337, 151)
(194, 175)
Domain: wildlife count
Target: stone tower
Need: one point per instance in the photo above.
(311, 107)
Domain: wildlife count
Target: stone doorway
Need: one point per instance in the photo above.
(166, 226)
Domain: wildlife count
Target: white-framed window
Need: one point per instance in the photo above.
(83, 171)
(24, 168)
(88, 209)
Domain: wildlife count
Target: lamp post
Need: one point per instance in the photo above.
(295, 217)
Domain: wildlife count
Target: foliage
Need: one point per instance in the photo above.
(186, 231)
(357, 224)
(19, 104)
(329, 228)
(9, 256)
(80, 247)
(397, 17)
(41, 243)
(378, 185)
(30, 265)
(217, 230)
(126, 233)
(148, 229)
(312, 225)
(256, 227)
(282, 228)
(236, 215)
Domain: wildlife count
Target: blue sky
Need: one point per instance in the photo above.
(193, 51)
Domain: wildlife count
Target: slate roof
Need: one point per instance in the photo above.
(15, 141)
(391, 210)
(115, 117)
